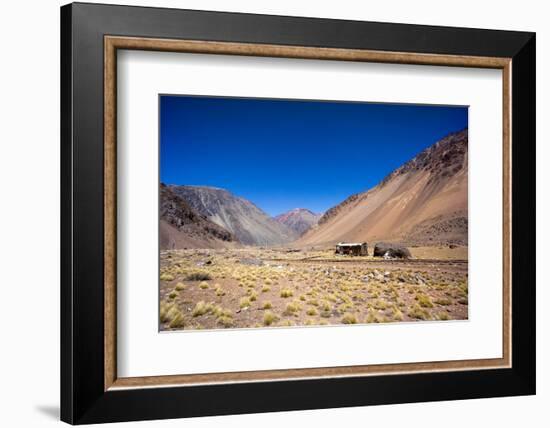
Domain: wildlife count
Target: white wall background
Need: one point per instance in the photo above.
(29, 214)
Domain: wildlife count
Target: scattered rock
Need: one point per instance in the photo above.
(251, 262)
(383, 249)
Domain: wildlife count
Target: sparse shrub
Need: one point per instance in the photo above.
(397, 315)
(286, 323)
(219, 291)
(198, 276)
(244, 302)
(266, 288)
(200, 308)
(344, 307)
(252, 295)
(269, 318)
(177, 320)
(267, 305)
(424, 300)
(180, 286)
(372, 317)
(325, 306)
(463, 301)
(286, 292)
(225, 320)
(417, 312)
(173, 294)
(349, 319)
(312, 312)
(203, 285)
(165, 311)
(443, 316)
(443, 301)
(166, 277)
(292, 308)
(217, 310)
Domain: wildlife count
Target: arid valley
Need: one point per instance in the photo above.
(225, 263)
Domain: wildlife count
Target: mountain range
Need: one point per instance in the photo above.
(248, 223)
(425, 202)
(183, 227)
(300, 220)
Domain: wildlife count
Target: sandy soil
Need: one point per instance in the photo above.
(244, 288)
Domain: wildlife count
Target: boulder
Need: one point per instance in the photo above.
(387, 250)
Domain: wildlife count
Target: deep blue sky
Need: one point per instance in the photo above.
(283, 154)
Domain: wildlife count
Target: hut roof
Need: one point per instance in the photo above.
(350, 244)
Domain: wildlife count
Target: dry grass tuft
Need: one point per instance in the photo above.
(443, 316)
(312, 312)
(443, 301)
(417, 312)
(424, 300)
(166, 277)
(244, 302)
(286, 292)
(292, 308)
(201, 308)
(177, 320)
(349, 319)
(269, 318)
(198, 276)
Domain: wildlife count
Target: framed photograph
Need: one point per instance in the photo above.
(265, 213)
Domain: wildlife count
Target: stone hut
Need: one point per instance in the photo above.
(352, 248)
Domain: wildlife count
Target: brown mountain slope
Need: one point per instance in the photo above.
(183, 227)
(248, 223)
(299, 219)
(425, 201)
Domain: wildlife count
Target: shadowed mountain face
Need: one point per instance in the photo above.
(249, 224)
(425, 201)
(300, 220)
(181, 226)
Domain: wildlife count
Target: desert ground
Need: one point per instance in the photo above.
(283, 287)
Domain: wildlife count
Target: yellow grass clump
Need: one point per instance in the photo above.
(286, 292)
(269, 318)
(419, 313)
(424, 300)
(177, 320)
(312, 312)
(292, 308)
(201, 308)
(349, 319)
(244, 302)
(166, 277)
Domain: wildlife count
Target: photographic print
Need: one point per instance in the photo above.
(294, 213)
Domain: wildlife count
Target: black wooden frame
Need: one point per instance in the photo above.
(83, 399)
